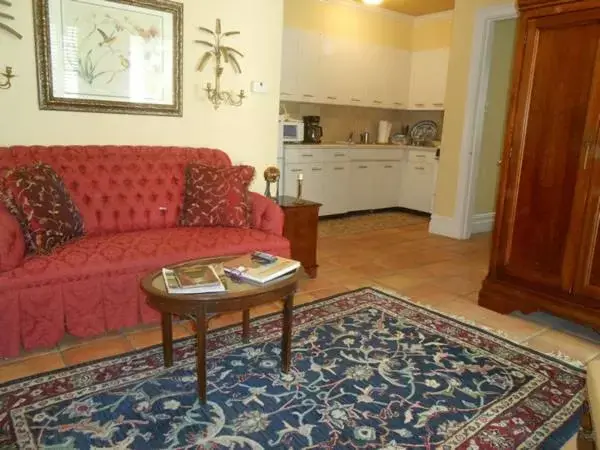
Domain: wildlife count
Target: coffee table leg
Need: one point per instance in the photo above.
(286, 343)
(201, 354)
(167, 338)
(246, 325)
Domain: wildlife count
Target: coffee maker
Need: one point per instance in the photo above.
(313, 132)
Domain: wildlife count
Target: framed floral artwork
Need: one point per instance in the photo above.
(110, 56)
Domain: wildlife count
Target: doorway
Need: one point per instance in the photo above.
(485, 117)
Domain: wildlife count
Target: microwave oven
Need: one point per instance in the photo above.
(291, 130)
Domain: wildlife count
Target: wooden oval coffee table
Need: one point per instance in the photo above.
(239, 296)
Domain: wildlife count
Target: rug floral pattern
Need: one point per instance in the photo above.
(369, 371)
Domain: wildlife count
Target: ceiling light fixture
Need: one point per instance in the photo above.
(372, 2)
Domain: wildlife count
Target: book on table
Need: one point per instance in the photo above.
(258, 270)
(192, 279)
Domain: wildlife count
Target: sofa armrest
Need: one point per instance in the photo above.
(266, 214)
(12, 241)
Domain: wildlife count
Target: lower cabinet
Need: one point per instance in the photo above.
(417, 186)
(374, 184)
(336, 188)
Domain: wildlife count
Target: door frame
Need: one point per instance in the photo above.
(479, 77)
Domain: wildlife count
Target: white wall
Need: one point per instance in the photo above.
(248, 134)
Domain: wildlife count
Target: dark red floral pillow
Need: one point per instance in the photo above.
(39, 200)
(216, 196)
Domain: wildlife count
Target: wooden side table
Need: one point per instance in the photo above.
(300, 228)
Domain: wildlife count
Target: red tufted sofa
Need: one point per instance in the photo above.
(130, 199)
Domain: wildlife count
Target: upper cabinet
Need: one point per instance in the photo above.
(429, 70)
(319, 68)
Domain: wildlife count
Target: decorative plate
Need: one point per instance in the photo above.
(397, 138)
(425, 130)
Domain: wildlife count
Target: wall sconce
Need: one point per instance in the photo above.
(5, 78)
(230, 56)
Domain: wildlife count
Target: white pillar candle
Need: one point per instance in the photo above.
(300, 176)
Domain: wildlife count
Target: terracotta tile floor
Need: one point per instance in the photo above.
(433, 270)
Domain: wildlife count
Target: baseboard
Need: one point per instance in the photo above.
(483, 223)
(445, 226)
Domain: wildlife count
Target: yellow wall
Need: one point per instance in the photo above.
(455, 102)
(248, 134)
(433, 32)
(495, 119)
(369, 25)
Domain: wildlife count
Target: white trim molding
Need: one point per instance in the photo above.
(483, 223)
(444, 226)
(475, 112)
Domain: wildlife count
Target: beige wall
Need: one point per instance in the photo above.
(495, 118)
(369, 24)
(248, 134)
(455, 102)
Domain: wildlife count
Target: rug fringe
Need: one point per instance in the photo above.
(499, 333)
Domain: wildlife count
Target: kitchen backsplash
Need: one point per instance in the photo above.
(338, 121)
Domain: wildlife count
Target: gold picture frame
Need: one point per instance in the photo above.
(110, 56)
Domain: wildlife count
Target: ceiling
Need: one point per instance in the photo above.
(418, 7)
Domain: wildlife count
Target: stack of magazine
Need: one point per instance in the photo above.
(192, 279)
(260, 267)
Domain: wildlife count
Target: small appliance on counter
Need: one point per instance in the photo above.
(383, 133)
(365, 137)
(313, 132)
(291, 130)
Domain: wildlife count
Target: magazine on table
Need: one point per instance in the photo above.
(192, 279)
(258, 269)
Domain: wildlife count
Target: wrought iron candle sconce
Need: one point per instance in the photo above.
(230, 56)
(8, 74)
(6, 77)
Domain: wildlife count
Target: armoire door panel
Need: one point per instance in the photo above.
(548, 138)
(587, 282)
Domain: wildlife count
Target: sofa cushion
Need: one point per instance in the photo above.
(216, 196)
(36, 195)
(12, 242)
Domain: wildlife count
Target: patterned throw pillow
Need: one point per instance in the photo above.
(216, 196)
(39, 200)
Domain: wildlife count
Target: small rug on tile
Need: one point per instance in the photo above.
(363, 223)
(369, 370)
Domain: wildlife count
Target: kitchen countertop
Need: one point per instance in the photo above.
(361, 146)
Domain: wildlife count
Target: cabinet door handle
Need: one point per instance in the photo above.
(419, 168)
(355, 99)
(387, 167)
(338, 168)
(308, 95)
(420, 156)
(438, 104)
(332, 98)
(316, 169)
(339, 154)
(377, 102)
(363, 167)
(420, 105)
(398, 103)
(285, 93)
(296, 170)
(307, 155)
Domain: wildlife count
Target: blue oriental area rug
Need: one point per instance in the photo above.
(369, 370)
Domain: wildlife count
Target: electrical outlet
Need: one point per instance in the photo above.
(259, 87)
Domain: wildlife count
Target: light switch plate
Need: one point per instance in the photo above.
(259, 87)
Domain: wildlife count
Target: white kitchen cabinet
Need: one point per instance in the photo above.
(312, 183)
(398, 78)
(336, 192)
(308, 70)
(428, 73)
(290, 61)
(388, 184)
(334, 77)
(362, 186)
(417, 186)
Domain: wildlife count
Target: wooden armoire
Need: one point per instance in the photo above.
(546, 241)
